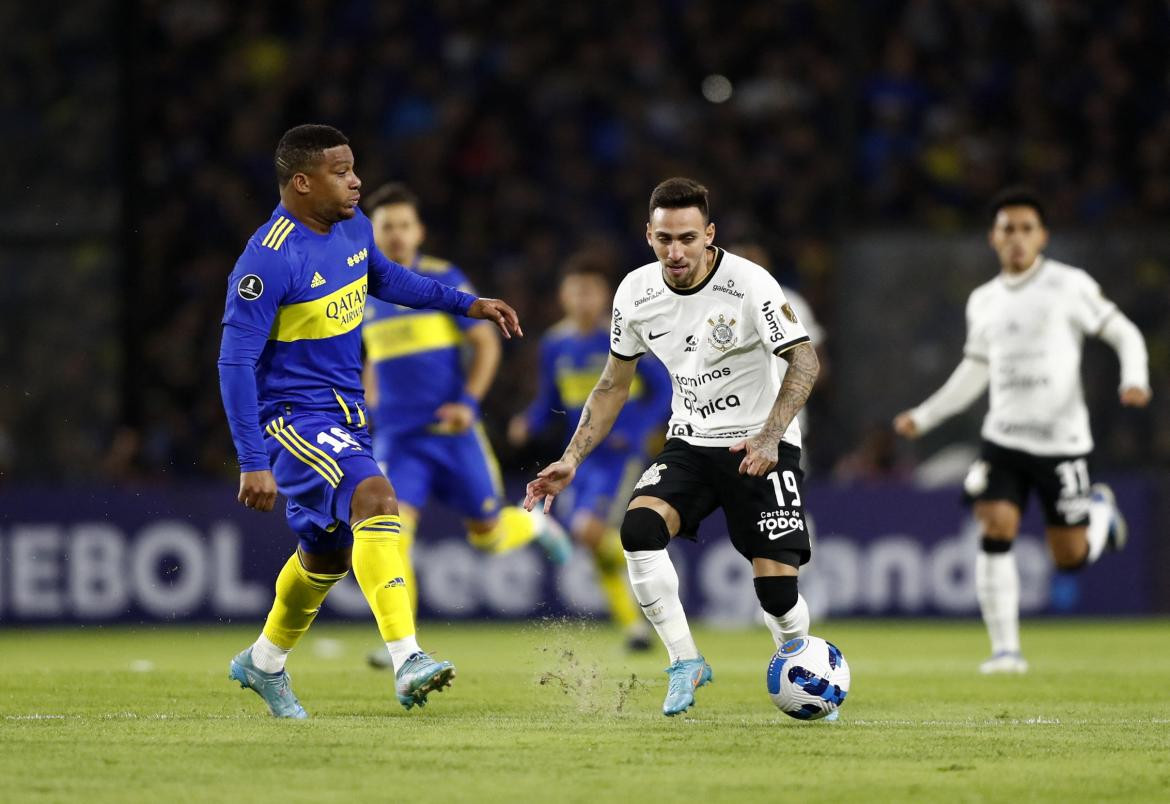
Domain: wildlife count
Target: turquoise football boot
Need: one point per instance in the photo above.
(274, 688)
(552, 538)
(686, 676)
(419, 676)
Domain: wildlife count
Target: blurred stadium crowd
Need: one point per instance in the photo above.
(143, 137)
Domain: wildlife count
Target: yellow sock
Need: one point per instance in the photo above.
(299, 594)
(405, 545)
(611, 576)
(514, 528)
(377, 565)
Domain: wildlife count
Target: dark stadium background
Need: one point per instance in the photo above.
(857, 143)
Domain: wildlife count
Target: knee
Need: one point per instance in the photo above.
(1070, 558)
(644, 529)
(777, 593)
(335, 562)
(374, 496)
(999, 521)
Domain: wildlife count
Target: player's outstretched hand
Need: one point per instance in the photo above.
(550, 482)
(760, 458)
(1134, 397)
(498, 311)
(904, 425)
(257, 490)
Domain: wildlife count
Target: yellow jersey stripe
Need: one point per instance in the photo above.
(282, 437)
(326, 459)
(410, 334)
(344, 407)
(272, 229)
(280, 240)
(275, 233)
(335, 314)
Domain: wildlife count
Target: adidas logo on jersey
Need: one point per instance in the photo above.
(318, 280)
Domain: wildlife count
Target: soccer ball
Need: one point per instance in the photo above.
(808, 678)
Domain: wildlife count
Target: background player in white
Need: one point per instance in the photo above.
(1025, 330)
(718, 322)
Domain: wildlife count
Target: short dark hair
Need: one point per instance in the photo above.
(301, 147)
(679, 193)
(1018, 196)
(392, 193)
(588, 263)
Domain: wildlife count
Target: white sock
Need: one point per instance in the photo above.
(793, 624)
(997, 585)
(268, 656)
(655, 585)
(1100, 518)
(402, 649)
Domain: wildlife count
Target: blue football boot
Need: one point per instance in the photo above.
(274, 688)
(686, 676)
(1118, 528)
(419, 676)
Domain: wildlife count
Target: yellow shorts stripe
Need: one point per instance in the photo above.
(272, 230)
(361, 415)
(282, 437)
(344, 407)
(490, 455)
(312, 450)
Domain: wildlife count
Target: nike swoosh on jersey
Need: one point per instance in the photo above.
(776, 536)
(659, 335)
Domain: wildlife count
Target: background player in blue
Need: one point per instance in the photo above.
(290, 376)
(572, 356)
(426, 374)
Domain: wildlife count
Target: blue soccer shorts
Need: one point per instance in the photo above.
(318, 462)
(458, 469)
(602, 486)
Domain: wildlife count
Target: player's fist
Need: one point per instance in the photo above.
(257, 490)
(455, 417)
(518, 430)
(1134, 397)
(904, 425)
(499, 312)
(549, 482)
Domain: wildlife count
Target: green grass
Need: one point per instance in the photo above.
(543, 712)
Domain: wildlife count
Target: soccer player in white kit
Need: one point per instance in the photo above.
(1025, 330)
(741, 367)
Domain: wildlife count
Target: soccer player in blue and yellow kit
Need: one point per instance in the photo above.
(290, 375)
(426, 372)
(572, 356)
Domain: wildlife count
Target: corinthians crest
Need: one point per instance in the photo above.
(651, 475)
(722, 335)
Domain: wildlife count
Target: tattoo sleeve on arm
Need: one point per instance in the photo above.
(601, 409)
(803, 367)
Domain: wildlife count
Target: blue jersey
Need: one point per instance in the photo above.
(295, 301)
(571, 362)
(416, 354)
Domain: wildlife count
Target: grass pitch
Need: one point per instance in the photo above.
(557, 712)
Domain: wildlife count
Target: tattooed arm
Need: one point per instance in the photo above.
(763, 448)
(597, 417)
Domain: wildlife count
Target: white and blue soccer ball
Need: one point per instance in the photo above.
(808, 678)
